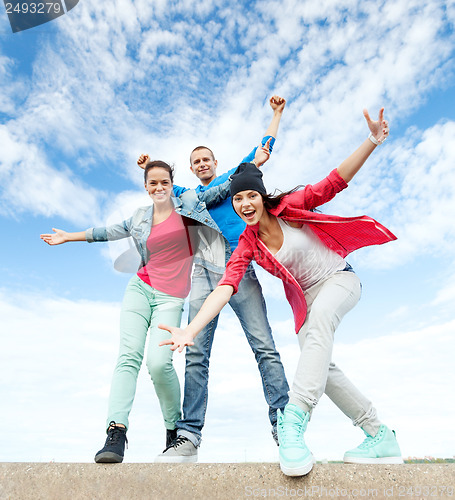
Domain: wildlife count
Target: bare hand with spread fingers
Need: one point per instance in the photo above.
(179, 339)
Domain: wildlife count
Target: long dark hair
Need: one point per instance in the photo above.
(271, 201)
(158, 164)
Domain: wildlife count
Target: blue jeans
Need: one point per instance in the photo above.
(249, 306)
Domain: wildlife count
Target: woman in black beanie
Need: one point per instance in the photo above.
(307, 251)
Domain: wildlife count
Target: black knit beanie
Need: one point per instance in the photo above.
(247, 177)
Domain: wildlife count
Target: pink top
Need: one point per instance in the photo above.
(169, 266)
(341, 234)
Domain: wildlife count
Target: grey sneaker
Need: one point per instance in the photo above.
(181, 450)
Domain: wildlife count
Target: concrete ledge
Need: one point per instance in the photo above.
(49, 481)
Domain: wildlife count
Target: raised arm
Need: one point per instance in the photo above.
(212, 306)
(277, 103)
(379, 132)
(143, 160)
(262, 154)
(59, 236)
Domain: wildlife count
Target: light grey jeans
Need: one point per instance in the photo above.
(328, 301)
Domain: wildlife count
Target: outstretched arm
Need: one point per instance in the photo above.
(379, 132)
(58, 237)
(212, 306)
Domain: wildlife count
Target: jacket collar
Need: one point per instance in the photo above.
(254, 229)
(280, 208)
(148, 216)
(176, 201)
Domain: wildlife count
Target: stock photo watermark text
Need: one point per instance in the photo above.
(315, 491)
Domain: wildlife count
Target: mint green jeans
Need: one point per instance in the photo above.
(144, 308)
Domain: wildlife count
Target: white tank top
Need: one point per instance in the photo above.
(305, 256)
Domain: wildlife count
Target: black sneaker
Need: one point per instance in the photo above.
(275, 436)
(114, 447)
(170, 436)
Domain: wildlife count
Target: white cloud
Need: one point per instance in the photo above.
(412, 195)
(29, 184)
(446, 295)
(8, 91)
(200, 73)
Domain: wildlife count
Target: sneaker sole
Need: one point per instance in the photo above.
(381, 460)
(297, 471)
(108, 458)
(191, 459)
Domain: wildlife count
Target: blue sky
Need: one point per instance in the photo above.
(82, 96)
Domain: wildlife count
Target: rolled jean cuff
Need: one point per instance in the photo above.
(298, 401)
(196, 440)
(369, 422)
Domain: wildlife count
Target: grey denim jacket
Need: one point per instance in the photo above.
(208, 243)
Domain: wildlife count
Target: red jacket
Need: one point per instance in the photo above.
(342, 234)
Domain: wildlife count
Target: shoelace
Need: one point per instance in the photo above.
(116, 434)
(177, 442)
(370, 440)
(290, 430)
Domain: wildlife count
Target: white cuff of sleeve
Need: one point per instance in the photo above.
(374, 140)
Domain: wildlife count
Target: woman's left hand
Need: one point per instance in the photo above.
(179, 338)
(379, 128)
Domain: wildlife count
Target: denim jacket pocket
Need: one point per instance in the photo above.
(136, 233)
(200, 207)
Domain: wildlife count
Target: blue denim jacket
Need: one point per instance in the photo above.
(210, 245)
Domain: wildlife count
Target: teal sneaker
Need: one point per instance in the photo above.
(295, 458)
(380, 449)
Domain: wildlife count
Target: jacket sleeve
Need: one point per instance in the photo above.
(250, 156)
(237, 264)
(215, 194)
(312, 196)
(178, 190)
(109, 233)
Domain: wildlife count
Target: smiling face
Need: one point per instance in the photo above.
(249, 206)
(159, 186)
(203, 165)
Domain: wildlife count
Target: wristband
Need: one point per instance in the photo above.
(374, 140)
